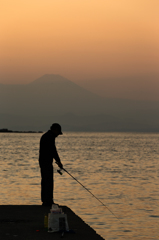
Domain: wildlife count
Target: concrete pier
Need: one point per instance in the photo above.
(26, 222)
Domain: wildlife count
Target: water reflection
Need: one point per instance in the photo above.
(121, 169)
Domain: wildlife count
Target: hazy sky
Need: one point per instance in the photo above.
(103, 43)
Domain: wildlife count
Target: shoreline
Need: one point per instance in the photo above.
(5, 130)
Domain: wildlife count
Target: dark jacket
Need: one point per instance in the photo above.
(47, 149)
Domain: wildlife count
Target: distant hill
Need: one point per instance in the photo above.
(53, 98)
(50, 94)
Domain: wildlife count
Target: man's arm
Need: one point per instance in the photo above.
(57, 158)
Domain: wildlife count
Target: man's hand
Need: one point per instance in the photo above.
(59, 164)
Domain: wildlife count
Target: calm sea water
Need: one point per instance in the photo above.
(121, 169)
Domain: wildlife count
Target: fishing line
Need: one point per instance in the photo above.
(59, 171)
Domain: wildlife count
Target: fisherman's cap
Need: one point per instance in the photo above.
(56, 126)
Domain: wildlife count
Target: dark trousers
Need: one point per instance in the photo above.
(47, 184)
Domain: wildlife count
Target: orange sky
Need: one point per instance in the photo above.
(80, 40)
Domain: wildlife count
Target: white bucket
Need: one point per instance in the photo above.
(57, 222)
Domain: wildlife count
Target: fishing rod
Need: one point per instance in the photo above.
(59, 171)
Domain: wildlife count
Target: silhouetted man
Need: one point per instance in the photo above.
(46, 154)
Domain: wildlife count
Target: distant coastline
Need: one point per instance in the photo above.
(6, 130)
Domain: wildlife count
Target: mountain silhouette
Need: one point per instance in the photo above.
(53, 98)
